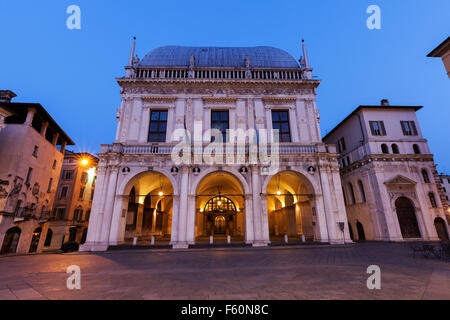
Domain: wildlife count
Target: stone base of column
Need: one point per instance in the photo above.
(93, 247)
(179, 245)
(260, 243)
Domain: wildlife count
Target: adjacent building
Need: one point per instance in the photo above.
(32, 149)
(443, 51)
(73, 200)
(389, 180)
(445, 182)
(194, 96)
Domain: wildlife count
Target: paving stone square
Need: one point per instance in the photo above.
(279, 273)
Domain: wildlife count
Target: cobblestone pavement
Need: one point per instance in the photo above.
(322, 272)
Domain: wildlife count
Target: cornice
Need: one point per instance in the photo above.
(279, 100)
(219, 100)
(159, 99)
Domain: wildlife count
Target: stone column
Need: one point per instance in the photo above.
(139, 219)
(249, 232)
(170, 122)
(182, 216)
(293, 124)
(109, 205)
(190, 223)
(175, 219)
(96, 218)
(120, 204)
(258, 229)
(328, 206)
(145, 123)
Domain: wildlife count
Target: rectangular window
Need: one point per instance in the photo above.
(60, 213)
(29, 174)
(408, 128)
(219, 120)
(341, 145)
(280, 121)
(67, 174)
(92, 194)
(54, 164)
(50, 185)
(80, 196)
(377, 128)
(35, 151)
(84, 177)
(63, 193)
(158, 126)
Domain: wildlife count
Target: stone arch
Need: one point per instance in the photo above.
(315, 188)
(230, 184)
(233, 172)
(127, 183)
(297, 196)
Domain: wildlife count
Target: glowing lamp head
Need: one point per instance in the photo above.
(448, 210)
(84, 162)
(279, 192)
(201, 209)
(160, 193)
(219, 203)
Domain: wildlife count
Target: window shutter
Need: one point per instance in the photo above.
(383, 129)
(414, 129)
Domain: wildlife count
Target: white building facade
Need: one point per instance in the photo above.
(389, 179)
(142, 194)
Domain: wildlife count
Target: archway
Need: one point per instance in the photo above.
(361, 233)
(441, 229)
(149, 210)
(290, 207)
(220, 208)
(35, 240)
(11, 241)
(407, 220)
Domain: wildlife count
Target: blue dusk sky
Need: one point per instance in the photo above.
(72, 72)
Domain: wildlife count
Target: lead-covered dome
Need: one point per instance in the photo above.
(219, 57)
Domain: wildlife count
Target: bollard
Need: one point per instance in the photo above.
(303, 238)
(153, 240)
(229, 239)
(211, 239)
(134, 241)
(286, 238)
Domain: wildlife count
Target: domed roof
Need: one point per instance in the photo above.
(219, 57)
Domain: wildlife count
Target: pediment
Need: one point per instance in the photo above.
(399, 179)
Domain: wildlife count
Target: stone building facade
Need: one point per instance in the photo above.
(143, 193)
(31, 148)
(73, 200)
(389, 179)
(443, 51)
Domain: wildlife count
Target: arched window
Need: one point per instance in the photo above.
(426, 179)
(384, 148)
(416, 149)
(395, 149)
(352, 193)
(361, 191)
(219, 203)
(48, 238)
(432, 200)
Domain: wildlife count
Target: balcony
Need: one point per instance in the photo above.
(166, 149)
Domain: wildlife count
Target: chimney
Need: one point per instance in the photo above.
(6, 96)
(385, 102)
